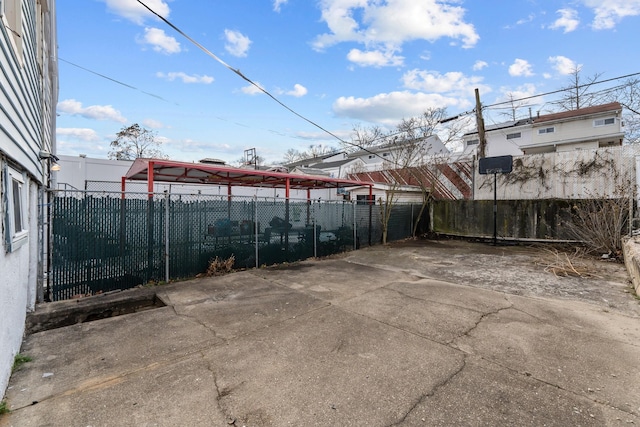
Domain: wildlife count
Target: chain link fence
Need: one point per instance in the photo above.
(107, 240)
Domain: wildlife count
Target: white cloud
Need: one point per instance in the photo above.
(479, 65)
(252, 89)
(278, 3)
(452, 83)
(390, 108)
(375, 58)
(390, 24)
(84, 134)
(94, 112)
(153, 124)
(520, 68)
(135, 12)
(563, 65)
(297, 91)
(568, 20)
(186, 78)
(524, 91)
(237, 43)
(610, 12)
(160, 42)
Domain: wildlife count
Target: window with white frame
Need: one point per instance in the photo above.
(604, 122)
(15, 199)
(514, 135)
(546, 130)
(473, 142)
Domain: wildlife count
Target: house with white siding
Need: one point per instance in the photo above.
(28, 97)
(585, 128)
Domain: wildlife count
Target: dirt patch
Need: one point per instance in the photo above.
(515, 269)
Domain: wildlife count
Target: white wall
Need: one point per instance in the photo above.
(75, 171)
(17, 287)
(27, 124)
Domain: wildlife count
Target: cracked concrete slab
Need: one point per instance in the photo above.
(485, 394)
(329, 367)
(155, 394)
(413, 333)
(571, 357)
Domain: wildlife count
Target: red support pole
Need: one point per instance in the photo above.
(287, 187)
(150, 179)
(123, 185)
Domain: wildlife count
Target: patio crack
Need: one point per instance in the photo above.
(482, 318)
(432, 392)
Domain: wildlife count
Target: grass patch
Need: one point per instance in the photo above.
(20, 360)
(4, 407)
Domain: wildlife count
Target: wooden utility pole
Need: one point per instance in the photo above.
(482, 141)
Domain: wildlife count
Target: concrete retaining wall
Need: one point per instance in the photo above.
(631, 250)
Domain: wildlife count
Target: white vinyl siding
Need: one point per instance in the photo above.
(11, 11)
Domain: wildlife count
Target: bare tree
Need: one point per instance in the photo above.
(579, 93)
(413, 161)
(292, 155)
(628, 95)
(133, 142)
(513, 106)
(363, 138)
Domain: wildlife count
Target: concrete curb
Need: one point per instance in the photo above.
(69, 312)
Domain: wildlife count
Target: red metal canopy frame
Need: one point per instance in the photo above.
(152, 170)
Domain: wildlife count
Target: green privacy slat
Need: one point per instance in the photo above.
(102, 242)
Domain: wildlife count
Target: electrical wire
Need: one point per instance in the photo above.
(242, 76)
(116, 81)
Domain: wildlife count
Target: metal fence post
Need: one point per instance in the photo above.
(355, 234)
(411, 222)
(315, 238)
(166, 235)
(255, 226)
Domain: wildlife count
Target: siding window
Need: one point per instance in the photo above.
(604, 122)
(11, 11)
(14, 191)
(473, 142)
(363, 199)
(546, 130)
(514, 135)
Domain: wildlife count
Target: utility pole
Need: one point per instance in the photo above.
(482, 141)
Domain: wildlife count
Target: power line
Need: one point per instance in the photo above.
(242, 76)
(116, 81)
(561, 90)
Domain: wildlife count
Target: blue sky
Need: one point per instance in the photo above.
(339, 63)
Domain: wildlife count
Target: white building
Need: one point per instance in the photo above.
(586, 128)
(28, 59)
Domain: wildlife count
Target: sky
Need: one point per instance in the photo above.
(328, 66)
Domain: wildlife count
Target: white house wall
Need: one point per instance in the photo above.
(572, 130)
(28, 95)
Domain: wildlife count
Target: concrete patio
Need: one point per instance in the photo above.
(417, 333)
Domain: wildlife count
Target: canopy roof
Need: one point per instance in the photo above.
(151, 170)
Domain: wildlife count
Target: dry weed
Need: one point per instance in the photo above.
(218, 266)
(565, 264)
